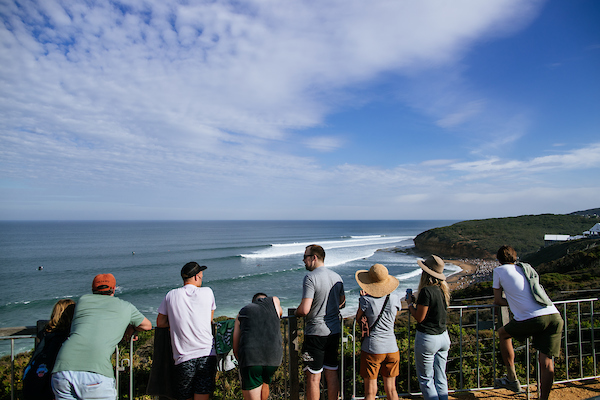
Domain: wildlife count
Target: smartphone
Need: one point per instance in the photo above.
(408, 294)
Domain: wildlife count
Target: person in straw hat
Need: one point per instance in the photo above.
(431, 341)
(379, 350)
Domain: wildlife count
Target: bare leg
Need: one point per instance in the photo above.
(546, 375)
(389, 385)
(508, 353)
(333, 385)
(252, 394)
(265, 392)
(201, 396)
(370, 389)
(313, 382)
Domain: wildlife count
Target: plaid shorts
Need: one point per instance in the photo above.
(195, 376)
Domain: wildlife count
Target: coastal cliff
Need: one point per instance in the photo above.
(431, 242)
(482, 238)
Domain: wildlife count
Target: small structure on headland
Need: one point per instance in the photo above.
(551, 239)
(594, 231)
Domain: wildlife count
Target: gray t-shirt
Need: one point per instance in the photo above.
(326, 288)
(381, 339)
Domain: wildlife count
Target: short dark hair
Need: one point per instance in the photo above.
(191, 269)
(506, 255)
(258, 296)
(316, 250)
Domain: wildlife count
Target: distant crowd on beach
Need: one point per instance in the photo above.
(483, 272)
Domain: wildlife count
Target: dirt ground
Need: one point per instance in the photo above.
(588, 389)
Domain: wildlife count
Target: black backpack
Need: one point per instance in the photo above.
(37, 373)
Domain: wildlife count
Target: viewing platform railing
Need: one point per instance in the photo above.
(473, 363)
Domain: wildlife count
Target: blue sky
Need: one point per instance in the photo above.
(332, 109)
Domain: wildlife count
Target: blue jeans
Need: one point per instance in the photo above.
(81, 385)
(431, 354)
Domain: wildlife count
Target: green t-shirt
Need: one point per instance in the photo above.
(98, 325)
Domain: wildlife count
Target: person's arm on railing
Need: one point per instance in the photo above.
(304, 307)
(498, 299)
(146, 325)
(162, 321)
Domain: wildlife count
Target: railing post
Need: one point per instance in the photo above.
(131, 365)
(408, 351)
(343, 340)
(293, 352)
(12, 369)
(461, 348)
(477, 344)
(117, 369)
(593, 338)
(566, 331)
(494, 376)
(580, 340)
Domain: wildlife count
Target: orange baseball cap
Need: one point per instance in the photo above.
(104, 283)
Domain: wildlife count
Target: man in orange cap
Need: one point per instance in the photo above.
(83, 368)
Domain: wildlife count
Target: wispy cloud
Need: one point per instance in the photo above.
(145, 101)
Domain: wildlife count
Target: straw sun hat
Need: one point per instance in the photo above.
(434, 266)
(376, 281)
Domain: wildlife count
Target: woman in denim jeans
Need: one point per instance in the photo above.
(431, 341)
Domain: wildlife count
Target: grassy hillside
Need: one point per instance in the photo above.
(567, 270)
(482, 238)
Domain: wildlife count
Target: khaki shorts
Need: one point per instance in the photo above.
(546, 331)
(372, 364)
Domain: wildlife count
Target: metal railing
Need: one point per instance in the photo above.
(473, 362)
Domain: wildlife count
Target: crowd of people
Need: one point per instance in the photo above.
(73, 362)
(483, 272)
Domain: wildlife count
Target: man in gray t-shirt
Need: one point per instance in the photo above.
(322, 298)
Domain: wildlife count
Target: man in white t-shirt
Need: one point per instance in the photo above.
(188, 311)
(531, 318)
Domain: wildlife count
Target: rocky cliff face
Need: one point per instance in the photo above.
(429, 243)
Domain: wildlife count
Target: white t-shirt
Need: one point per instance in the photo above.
(189, 310)
(512, 280)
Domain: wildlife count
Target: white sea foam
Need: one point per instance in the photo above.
(288, 249)
(449, 269)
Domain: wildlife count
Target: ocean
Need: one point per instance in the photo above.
(41, 262)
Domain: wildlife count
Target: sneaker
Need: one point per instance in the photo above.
(504, 383)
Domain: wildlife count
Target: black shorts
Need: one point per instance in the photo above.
(195, 376)
(320, 352)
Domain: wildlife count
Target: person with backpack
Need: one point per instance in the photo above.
(377, 308)
(534, 315)
(38, 372)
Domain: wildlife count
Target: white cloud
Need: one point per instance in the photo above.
(132, 104)
(583, 158)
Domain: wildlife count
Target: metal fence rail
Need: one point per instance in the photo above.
(473, 362)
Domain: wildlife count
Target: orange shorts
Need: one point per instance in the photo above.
(372, 364)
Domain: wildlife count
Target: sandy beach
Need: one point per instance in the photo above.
(468, 270)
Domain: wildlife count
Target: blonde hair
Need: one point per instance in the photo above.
(62, 315)
(428, 280)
